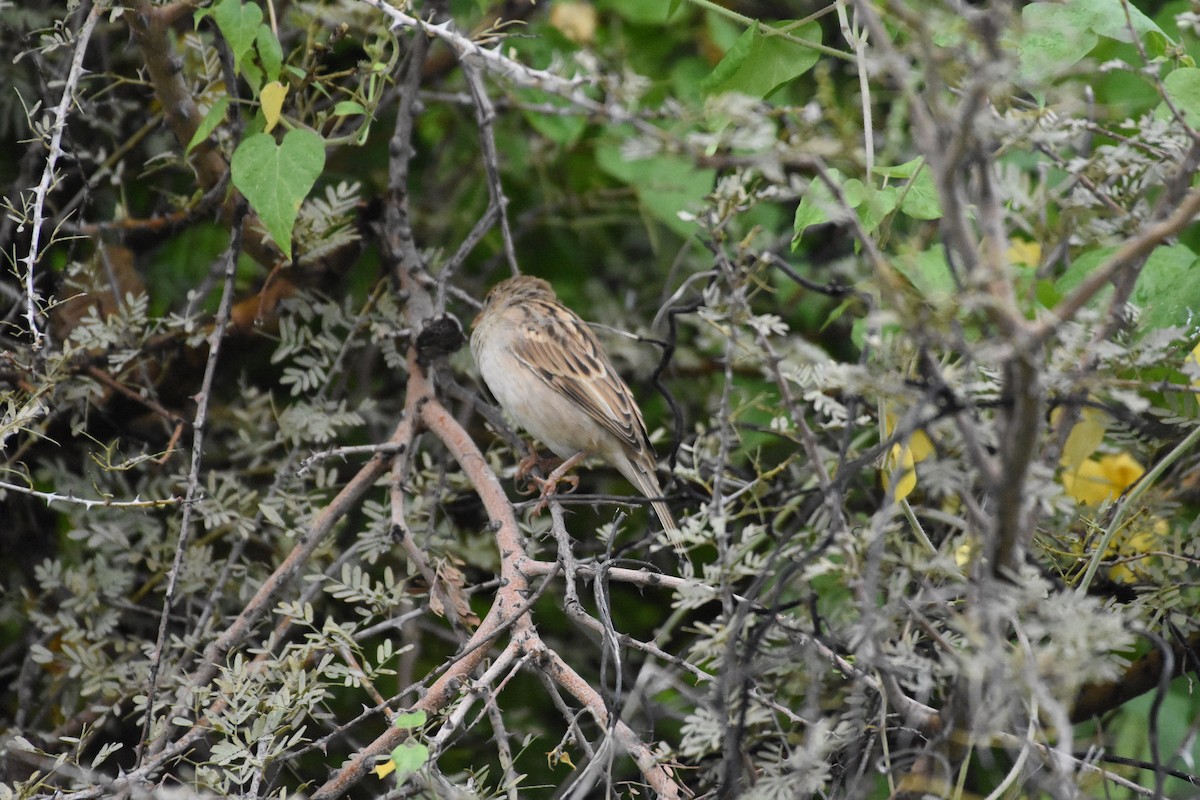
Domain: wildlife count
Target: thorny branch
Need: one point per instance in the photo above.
(199, 426)
(49, 175)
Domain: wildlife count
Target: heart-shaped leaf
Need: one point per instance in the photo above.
(275, 178)
(239, 25)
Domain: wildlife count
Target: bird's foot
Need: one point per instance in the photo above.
(526, 481)
(548, 486)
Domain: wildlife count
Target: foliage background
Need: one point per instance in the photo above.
(909, 292)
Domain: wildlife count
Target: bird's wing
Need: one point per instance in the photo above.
(561, 349)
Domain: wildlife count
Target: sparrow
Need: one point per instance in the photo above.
(550, 373)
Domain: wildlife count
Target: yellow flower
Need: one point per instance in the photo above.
(903, 458)
(576, 21)
(1023, 252)
(900, 462)
(1098, 479)
(1137, 541)
(964, 554)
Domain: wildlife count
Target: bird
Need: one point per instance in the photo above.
(550, 373)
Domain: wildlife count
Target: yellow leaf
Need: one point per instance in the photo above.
(1084, 438)
(1193, 360)
(559, 756)
(271, 98)
(385, 768)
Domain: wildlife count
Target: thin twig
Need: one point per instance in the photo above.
(485, 115)
(192, 492)
(42, 190)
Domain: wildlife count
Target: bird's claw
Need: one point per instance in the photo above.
(548, 487)
(527, 483)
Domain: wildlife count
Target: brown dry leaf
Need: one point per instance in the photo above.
(450, 583)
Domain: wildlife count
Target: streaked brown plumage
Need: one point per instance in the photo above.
(550, 373)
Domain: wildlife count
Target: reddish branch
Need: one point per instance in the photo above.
(508, 611)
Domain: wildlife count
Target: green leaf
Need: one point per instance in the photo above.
(759, 62)
(1183, 87)
(272, 515)
(639, 12)
(562, 129)
(1107, 18)
(721, 30)
(816, 206)
(1046, 293)
(919, 199)
(276, 178)
(665, 185)
(809, 213)
(872, 204)
(1050, 43)
(928, 272)
(1167, 290)
(348, 108)
(1080, 268)
(214, 117)
(408, 758)
(270, 55)
(183, 262)
(905, 170)
(239, 25)
(1058, 35)
(253, 75)
(409, 720)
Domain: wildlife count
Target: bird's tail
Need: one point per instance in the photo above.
(647, 483)
(669, 526)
